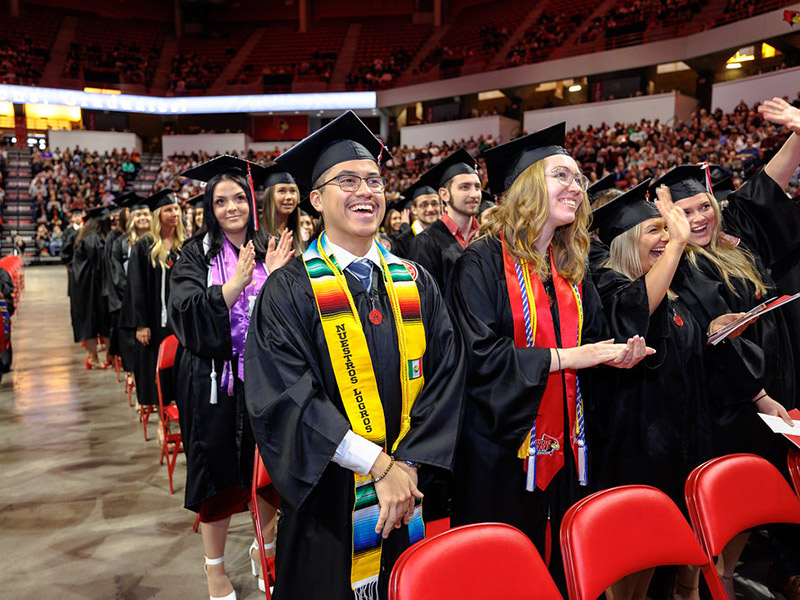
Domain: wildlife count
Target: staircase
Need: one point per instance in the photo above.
(232, 68)
(18, 202)
(58, 54)
(426, 49)
(347, 56)
(500, 58)
(161, 76)
(149, 166)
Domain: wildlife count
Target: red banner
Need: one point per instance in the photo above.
(283, 127)
(21, 131)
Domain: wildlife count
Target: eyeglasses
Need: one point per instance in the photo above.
(565, 177)
(351, 183)
(426, 205)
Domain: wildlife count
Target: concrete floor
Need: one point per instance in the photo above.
(85, 508)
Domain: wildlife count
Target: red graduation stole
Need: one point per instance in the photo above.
(543, 448)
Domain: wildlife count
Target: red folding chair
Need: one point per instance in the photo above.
(730, 494)
(616, 532)
(794, 468)
(170, 426)
(484, 560)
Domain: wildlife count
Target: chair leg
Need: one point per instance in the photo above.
(171, 464)
(196, 523)
(145, 416)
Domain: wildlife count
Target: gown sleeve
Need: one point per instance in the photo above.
(436, 414)
(296, 424)
(764, 217)
(197, 313)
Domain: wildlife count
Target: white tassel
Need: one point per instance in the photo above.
(163, 297)
(583, 474)
(367, 589)
(213, 398)
(530, 480)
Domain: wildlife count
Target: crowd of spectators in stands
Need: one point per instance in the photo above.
(21, 63)
(64, 181)
(541, 38)
(192, 73)
(380, 73)
(740, 142)
(125, 63)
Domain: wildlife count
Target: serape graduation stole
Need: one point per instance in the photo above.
(355, 378)
(543, 448)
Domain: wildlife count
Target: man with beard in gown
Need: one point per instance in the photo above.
(459, 188)
(316, 403)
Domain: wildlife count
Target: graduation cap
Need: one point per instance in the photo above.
(684, 181)
(134, 201)
(345, 138)
(254, 173)
(196, 201)
(98, 212)
(459, 162)
(507, 161)
(275, 175)
(226, 164)
(161, 198)
(623, 212)
(609, 182)
(121, 199)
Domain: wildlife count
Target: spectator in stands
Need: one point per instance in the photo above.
(42, 239)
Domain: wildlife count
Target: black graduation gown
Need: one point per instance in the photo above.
(66, 253)
(111, 294)
(217, 438)
(143, 295)
(87, 307)
(651, 424)
(761, 216)
(299, 420)
(119, 302)
(505, 385)
(401, 242)
(767, 221)
(437, 250)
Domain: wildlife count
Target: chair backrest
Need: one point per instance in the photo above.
(166, 353)
(794, 468)
(622, 530)
(166, 360)
(485, 560)
(260, 476)
(729, 494)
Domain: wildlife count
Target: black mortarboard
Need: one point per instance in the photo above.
(459, 162)
(609, 182)
(420, 188)
(226, 164)
(506, 162)
(196, 201)
(161, 198)
(623, 212)
(275, 175)
(345, 138)
(121, 199)
(134, 201)
(98, 212)
(684, 181)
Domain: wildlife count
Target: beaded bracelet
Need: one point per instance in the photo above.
(386, 472)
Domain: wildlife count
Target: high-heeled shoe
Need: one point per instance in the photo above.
(255, 565)
(217, 561)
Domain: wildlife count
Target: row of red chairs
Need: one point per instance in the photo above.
(605, 537)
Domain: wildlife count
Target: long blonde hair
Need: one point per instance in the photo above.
(730, 260)
(623, 253)
(159, 251)
(520, 218)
